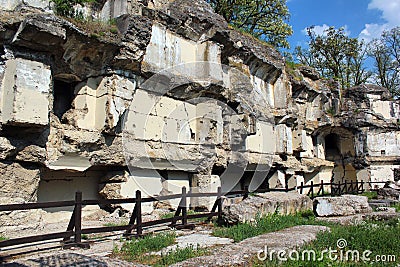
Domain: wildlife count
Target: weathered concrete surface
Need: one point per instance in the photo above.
(19, 181)
(197, 240)
(359, 218)
(265, 204)
(9, 5)
(341, 206)
(12, 222)
(25, 89)
(240, 254)
(83, 99)
(203, 184)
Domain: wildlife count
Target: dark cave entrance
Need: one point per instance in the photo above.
(63, 97)
(332, 144)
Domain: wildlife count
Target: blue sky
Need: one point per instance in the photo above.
(365, 19)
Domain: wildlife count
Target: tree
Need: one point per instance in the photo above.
(264, 19)
(386, 55)
(335, 55)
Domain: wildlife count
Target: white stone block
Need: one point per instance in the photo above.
(209, 127)
(264, 140)
(176, 180)
(382, 173)
(149, 182)
(306, 145)
(281, 93)
(9, 5)
(284, 139)
(204, 184)
(25, 90)
(167, 50)
(103, 100)
(383, 144)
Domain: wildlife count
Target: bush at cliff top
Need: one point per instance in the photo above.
(66, 7)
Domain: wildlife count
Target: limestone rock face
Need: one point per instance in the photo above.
(25, 93)
(164, 95)
(204, 184)
(13, 223)
(110, 191)
(389, 193)
(10, 5)
(110, 185)
(6, 149)
(341, 206)
(19, 181)
(265, 204)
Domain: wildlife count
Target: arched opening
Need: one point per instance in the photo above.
(337, 144)
(332, 147)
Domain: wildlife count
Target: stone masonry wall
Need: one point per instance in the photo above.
(175, 98)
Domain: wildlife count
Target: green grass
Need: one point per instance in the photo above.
(2, 238)
(167, 215)
(97, 29)
(134, 250)
(371, 195)
(397, 207)
(110, 224)
(381, 238)
(139, 250)
(180, 254)
(264, 225)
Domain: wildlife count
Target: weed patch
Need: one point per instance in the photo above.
(264, 225)
(371, 195)
(180, 254)
(381, 238)
(134, 250)
(140, 250)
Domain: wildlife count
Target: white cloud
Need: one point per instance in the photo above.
(372, 31)
(320, 30)
(390, 14)
(390, 10)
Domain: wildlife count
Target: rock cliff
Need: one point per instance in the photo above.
(156, 95)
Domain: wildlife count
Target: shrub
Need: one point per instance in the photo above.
(66, 7)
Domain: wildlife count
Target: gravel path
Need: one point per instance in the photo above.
(70, 259)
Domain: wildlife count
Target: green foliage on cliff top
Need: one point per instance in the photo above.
(264, 19)
(66, 7)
